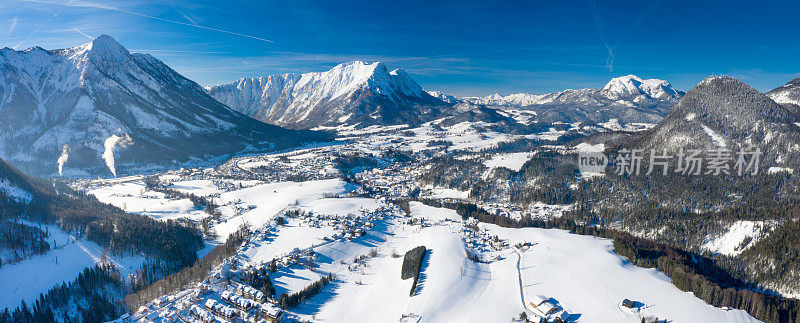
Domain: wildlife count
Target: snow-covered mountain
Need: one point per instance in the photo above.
(788, 95)
(516, 100)
(354, 93)
(76, 104)
(723, 112)
(629, 99)
(444, 97)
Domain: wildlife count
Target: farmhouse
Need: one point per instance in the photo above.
(272, 313)
(544, 304)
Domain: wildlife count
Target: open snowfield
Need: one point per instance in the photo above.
(133, 197)
(444, 295)
(433, 214)
(269, 199)
(581, 274)
(201, 187)
(587, 278)
(288, 238)
(440, 192)
(27, 279)
(341, 206)
(513, 161)
(253, 205)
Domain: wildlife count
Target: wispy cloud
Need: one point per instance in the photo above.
(221, 69)
(175, 51)
(39, 27)
(13, 26)
(83, 4)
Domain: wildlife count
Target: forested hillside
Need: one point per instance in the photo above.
(167, 245)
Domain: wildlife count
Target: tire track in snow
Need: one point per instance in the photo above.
(519, 278)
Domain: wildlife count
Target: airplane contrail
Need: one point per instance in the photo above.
(600, 28)
(600, 25)
(82, 33)
(99, 6)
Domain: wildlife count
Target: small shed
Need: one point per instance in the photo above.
(628, 303)
(537, 300)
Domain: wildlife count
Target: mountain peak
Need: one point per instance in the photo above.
(729, 103)
(107, 43)
(632, 85)
(718, 80)
(354, 92)
(105, 47)
(624, 85)
(360, 68)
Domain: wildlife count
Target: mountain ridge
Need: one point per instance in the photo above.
(85, 94)
(348, 94)
(628, 99)
(724, 112)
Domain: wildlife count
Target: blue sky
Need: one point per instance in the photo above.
(462, 47)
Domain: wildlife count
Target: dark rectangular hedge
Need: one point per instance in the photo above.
(412, 262)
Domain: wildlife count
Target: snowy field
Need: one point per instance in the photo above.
(589, 280)
(513, 161)
(581, 274)
(134, 198)
(254, 205)
(269, 199)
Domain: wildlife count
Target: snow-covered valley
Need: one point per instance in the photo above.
(308, 224)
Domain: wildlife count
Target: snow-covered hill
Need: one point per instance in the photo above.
(354, 93)
(788, 95)
(68, 102)
(723, 112)
(629, 99)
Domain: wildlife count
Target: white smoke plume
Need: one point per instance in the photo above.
(112, 143)
(63, 158)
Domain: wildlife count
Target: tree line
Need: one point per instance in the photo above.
(22, 241)
(287, 301)
(94, 293)
(189, 275)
